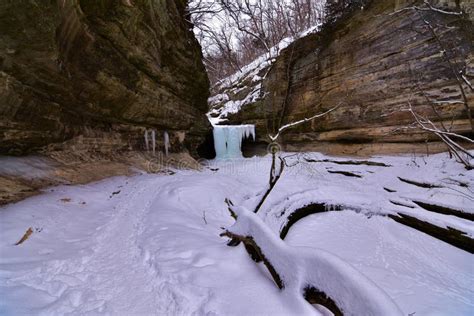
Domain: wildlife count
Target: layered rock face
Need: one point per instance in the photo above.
(372, 63)
(97, 73)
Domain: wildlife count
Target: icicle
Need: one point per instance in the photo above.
(153, 141)
(166, 139)
(241, 135)
(146, 140)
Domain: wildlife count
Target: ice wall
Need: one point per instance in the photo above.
(228, 139)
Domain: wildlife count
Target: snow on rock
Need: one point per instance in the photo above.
(28, 167)
(353, 292)
(250, 79)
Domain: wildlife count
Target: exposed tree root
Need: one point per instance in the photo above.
(345, 173)
(420, 184)
(444, 210)
(450, 235)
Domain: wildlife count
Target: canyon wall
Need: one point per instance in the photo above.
(372, 63)
(92, 75)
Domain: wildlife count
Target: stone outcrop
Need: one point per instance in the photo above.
(372, 62)
(21, 177)
(94, 74)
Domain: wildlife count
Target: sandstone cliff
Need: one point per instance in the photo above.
(374, 61)
(93, 74)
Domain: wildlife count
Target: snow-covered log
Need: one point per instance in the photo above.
(301, 272)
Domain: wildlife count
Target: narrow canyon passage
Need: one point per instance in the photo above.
(222, 157)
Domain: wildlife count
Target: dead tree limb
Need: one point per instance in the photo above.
(296, 123)
(275, 175)
(462, 155)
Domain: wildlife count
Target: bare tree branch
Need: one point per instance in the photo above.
(458, 151)
(293, 124)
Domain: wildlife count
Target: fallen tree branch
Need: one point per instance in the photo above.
(27, 234)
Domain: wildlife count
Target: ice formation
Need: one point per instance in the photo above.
(166, 141)
(228, 139)
(146, 139)
(153, 141)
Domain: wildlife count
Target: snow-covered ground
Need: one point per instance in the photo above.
(149, 244)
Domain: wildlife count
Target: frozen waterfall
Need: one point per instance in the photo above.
(228, 139)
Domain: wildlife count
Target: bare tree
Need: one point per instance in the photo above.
(448, 138)
(252, 28)
(335, 9)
